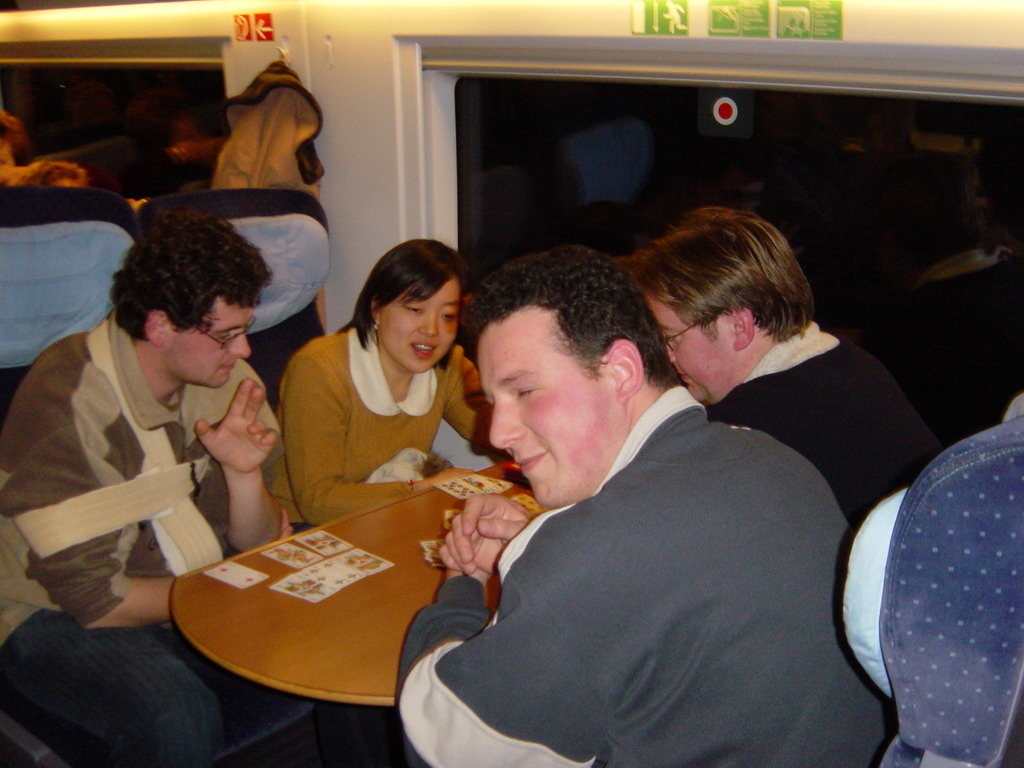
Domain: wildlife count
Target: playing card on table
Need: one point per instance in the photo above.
(458, 489)
(449, 514)
(363, 561)
(236, 574)
(318, 581)
(291, 555)
(470, 485)
(431, 552)
(325, 543)
(307, 587)
(528, 503)
(485, 484)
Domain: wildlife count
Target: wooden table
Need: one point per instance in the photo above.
(347, 646)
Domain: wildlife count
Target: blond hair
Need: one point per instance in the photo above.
(718, 260)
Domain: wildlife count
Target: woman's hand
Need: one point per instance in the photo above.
(441, 477)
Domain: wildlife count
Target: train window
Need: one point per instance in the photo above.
(120, 122)
(612, 164)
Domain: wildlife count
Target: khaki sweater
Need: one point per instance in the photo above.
(333, 441)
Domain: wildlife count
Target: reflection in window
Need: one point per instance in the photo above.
(140, 132)
(611, 165)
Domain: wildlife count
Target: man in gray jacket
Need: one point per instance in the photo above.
(674, 607)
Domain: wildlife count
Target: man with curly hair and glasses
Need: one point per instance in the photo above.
(132, 453)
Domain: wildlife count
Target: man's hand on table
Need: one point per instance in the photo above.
(480, 533)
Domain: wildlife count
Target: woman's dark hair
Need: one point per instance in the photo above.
(184, 264)
(413, 271)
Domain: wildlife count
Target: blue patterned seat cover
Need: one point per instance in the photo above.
(952, 617)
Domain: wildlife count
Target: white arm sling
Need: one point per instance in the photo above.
(160, 493)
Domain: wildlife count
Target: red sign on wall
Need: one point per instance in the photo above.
(254, 26)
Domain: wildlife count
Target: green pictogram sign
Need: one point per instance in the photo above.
(738, 18)
(809, 19)
(661, 17)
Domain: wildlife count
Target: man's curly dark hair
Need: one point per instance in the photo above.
(185, 262)
(594, 302)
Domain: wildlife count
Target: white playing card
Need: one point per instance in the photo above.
(485, 484)
(339, 574)
(471, 485)
(458, 489)
(363, 561)
(528, 503)
(325, 543)
(236, 574)
(431, 552)
(305, 586)
(316, 582)
(291, 555)
(322, 580)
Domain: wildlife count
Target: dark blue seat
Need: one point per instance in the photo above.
(290, 229)
(951, 616)
(59, 247)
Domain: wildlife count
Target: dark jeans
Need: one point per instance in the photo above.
(139, 689)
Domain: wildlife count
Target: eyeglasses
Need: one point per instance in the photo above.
(227, 337)
(676, 335)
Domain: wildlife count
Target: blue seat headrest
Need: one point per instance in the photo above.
(289, 228)
(952, 617)
(59, 248)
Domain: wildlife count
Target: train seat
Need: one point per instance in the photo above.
(949, 609)
(59, 247)
(290, 229)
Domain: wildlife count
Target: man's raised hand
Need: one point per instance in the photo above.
(241, 441)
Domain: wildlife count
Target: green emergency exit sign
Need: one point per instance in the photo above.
(794, 19)
(809, 19)
(661, 17)
(739, 18)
